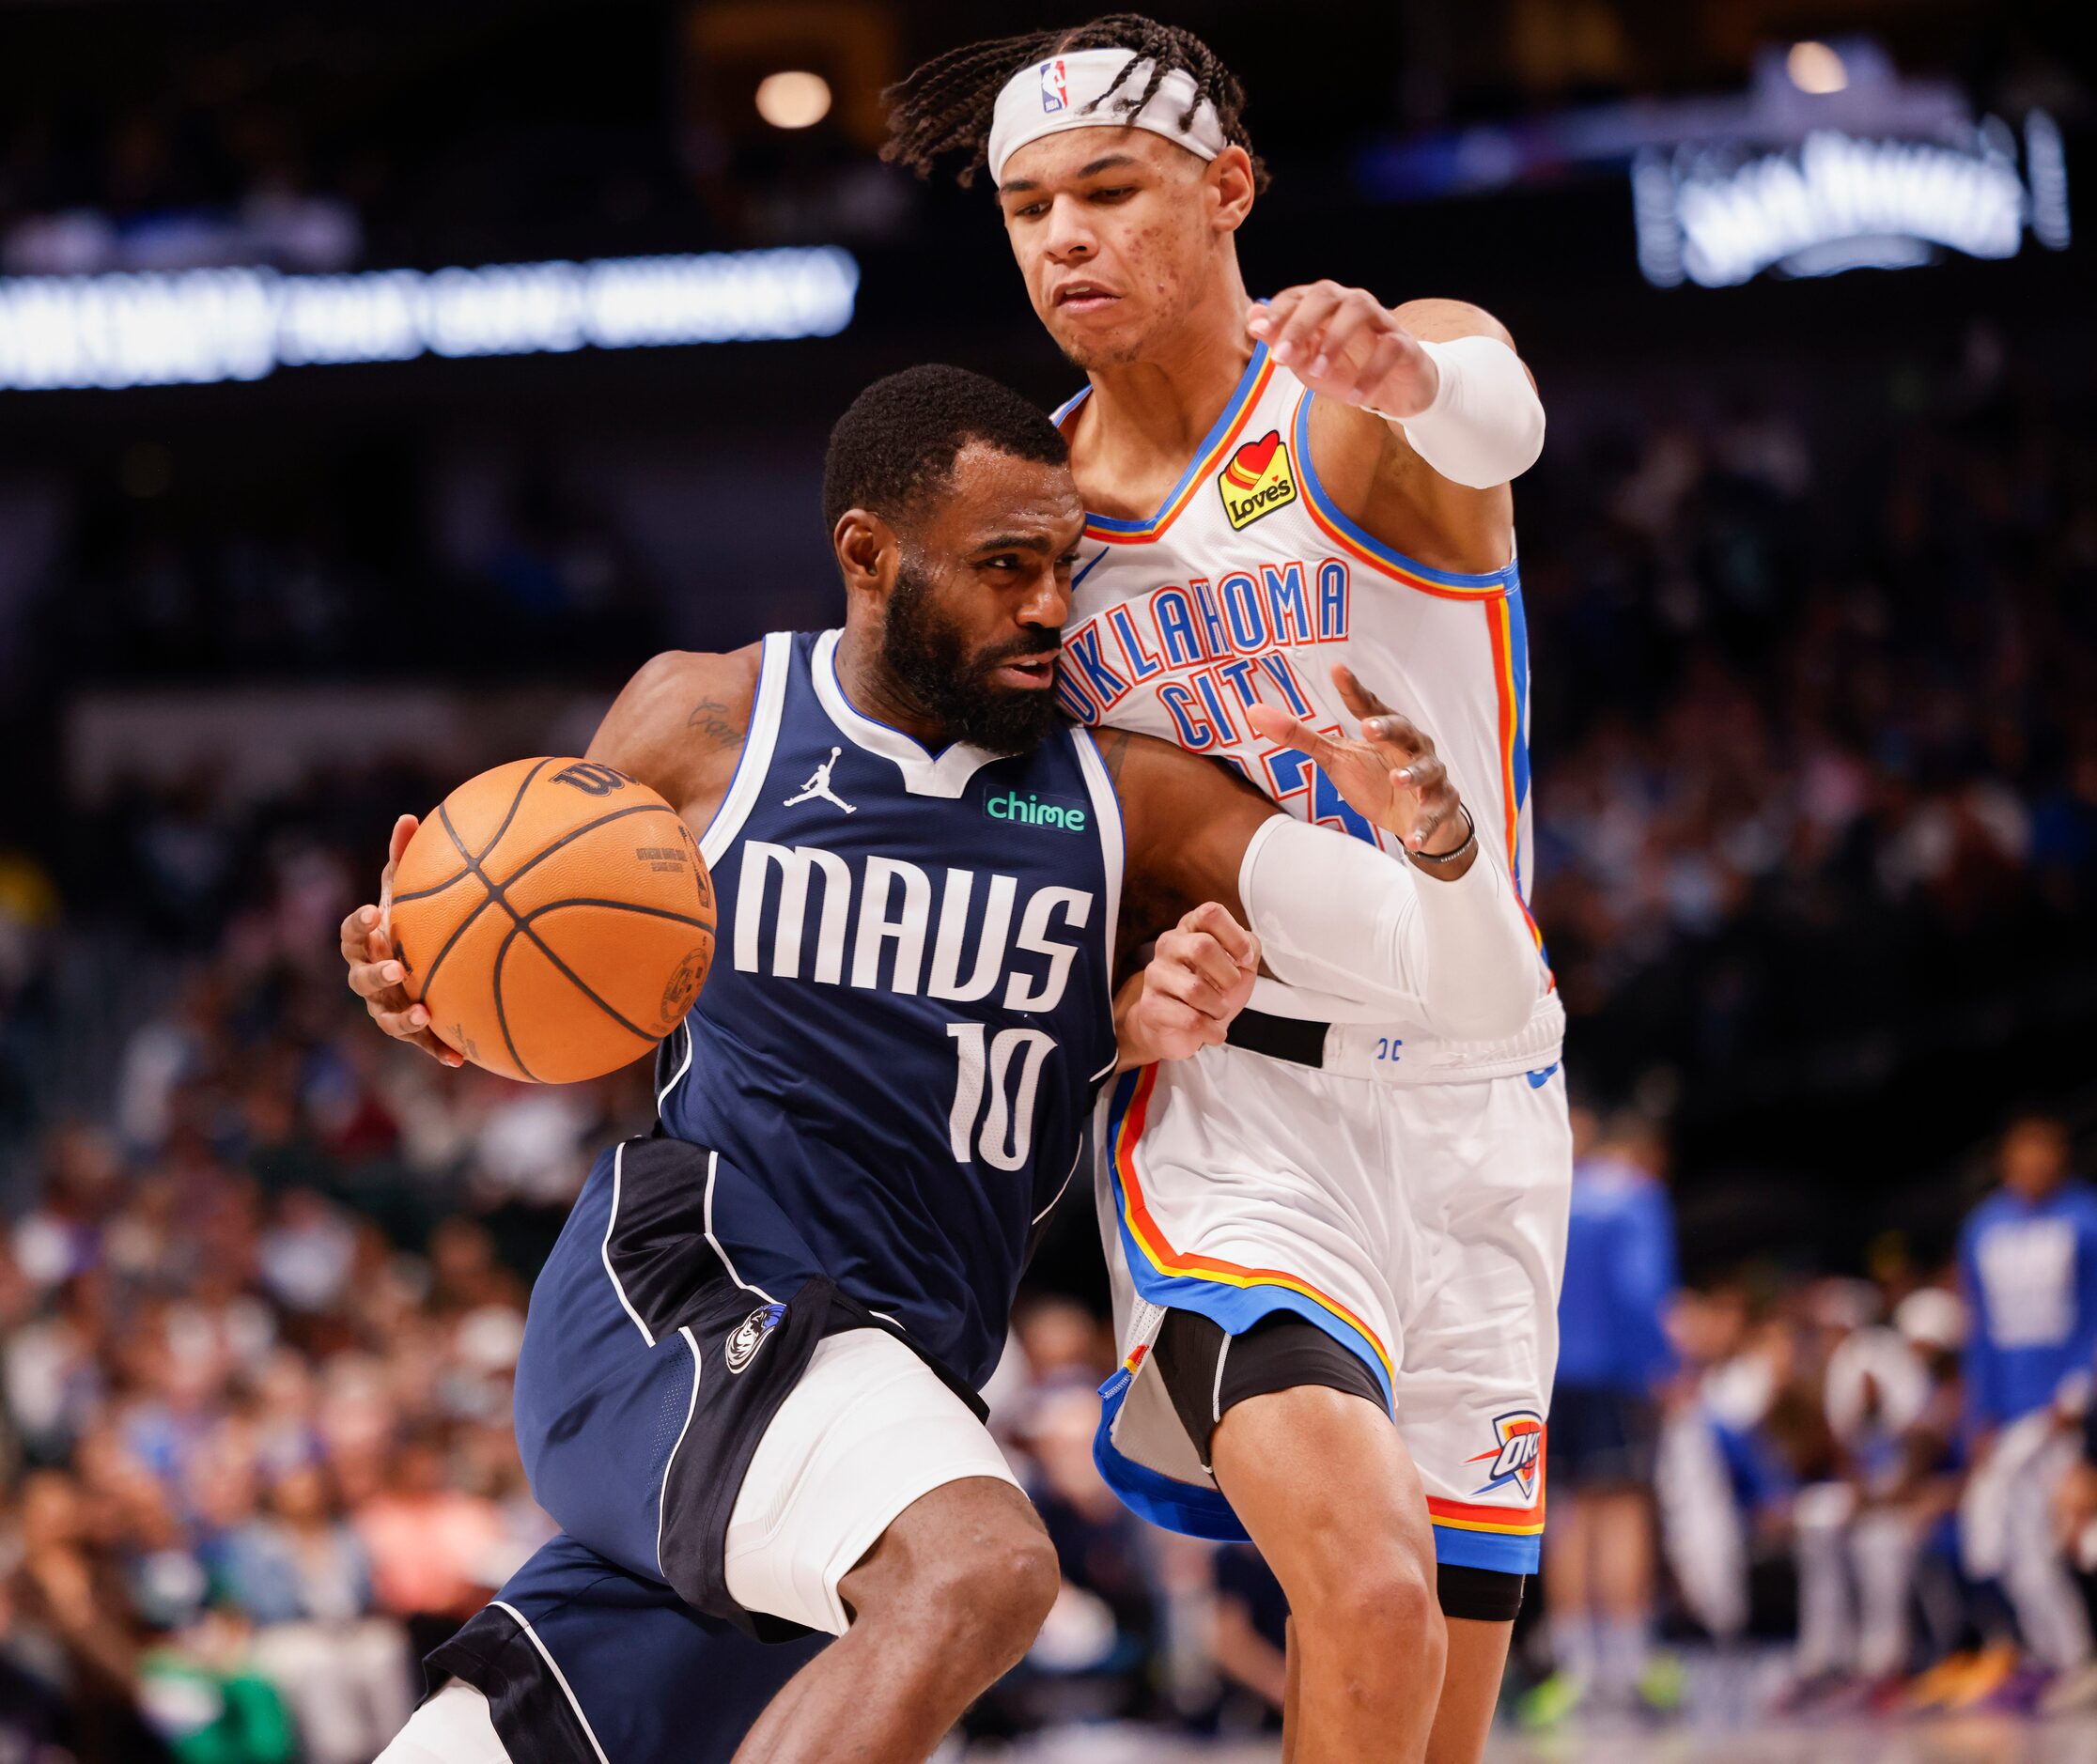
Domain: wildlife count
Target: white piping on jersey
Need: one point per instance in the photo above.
(604, 1249)
(684, 1066)
(755, 761)
(946, 775)
(713, 1163)
(1067, 1175)
(560, 1677)
(692, 1408)
(1106, 803)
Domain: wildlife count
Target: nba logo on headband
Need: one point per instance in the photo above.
(1055, 95)
(1045, 98)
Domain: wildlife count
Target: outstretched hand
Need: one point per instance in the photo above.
(1345, 343)
(376, 976)
(1390, 774)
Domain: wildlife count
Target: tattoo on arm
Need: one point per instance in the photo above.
(715, 720)
(1113, 750)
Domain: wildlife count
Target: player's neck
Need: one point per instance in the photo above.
(871, 690)
(1160, 406)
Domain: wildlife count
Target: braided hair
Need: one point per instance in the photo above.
(946, 107)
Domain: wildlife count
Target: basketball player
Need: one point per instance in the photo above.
(750, 1368)
(1343, 1215)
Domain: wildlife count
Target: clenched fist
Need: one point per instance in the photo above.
(1200, 976)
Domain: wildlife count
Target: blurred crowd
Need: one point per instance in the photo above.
(1892, 1475)
(257, 1329)
(1817, 711)
(256, 1332)
(209, 146)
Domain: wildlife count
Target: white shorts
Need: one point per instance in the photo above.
(455, 1726)
(867, 1429)
(1422, 1225)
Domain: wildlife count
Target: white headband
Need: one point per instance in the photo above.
(1048, 97)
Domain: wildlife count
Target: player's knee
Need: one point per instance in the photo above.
(993, 1595)
(1382, 1607)
(1009, 1585)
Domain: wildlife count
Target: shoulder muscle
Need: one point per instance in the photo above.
(1443, 321)
(678, 725)
(1372, 472)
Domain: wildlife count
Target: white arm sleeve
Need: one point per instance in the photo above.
(1486, 424)
(1338, 915)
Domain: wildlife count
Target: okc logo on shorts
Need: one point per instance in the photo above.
(750, 1334)
(1519, 1456)
(1055, 95)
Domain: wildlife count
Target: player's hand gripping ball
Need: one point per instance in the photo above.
(556, 919)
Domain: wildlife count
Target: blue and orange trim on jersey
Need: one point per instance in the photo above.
(1510, 1540)
(1208, 457)
(1228, 1294)
(1508, 632)
(1498, 591)
(1364, 547)
(1467, 1533)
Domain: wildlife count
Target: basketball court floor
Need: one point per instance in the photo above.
(1967, 1739)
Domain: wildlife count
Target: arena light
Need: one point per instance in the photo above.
(1816, 68)
(1842, 203)
(793, 100)
(203, 326)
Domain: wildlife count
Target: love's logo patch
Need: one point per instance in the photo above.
(1257, 480)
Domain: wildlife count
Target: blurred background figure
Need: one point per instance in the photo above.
(2028, 1266)
(1892, 1411)
(1599, 1579)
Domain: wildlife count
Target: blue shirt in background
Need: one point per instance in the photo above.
(2028, 1270)
(1620, 1272)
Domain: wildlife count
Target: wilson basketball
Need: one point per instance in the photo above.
(557, 919)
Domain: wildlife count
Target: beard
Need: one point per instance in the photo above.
(928, 657)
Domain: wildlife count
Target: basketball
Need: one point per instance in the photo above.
(557, 919)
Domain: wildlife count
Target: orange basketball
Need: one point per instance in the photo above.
(555, 917)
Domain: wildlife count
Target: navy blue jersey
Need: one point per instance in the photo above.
(910, 1003)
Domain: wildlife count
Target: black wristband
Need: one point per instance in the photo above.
(1470, 838)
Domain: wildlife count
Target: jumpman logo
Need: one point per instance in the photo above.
(819, 786)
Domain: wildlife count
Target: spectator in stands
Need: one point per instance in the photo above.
(1619, 1276)
(304, 1576)
(2027, 1267)
(2075, 1526)
(71, 1596)
(1251, 1630)
(1891, 1396)
(434, 1548)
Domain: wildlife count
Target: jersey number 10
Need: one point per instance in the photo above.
(1008, 1066)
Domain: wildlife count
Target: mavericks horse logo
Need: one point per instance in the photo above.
(749, 1335)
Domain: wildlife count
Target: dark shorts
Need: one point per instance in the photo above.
(1207, 1373)
(1602, 1438)
(650, 1371)
(582, 1660)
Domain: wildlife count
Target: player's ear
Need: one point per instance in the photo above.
(1229, 177)
(867, 550)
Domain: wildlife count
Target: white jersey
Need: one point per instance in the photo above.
(1248, 584)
